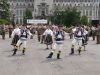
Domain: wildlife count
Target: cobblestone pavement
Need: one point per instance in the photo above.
(35, 63)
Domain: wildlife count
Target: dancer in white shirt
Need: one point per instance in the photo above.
(59, 39)
(48, 37)
(79, 34)
(15, 35)
(23, 33)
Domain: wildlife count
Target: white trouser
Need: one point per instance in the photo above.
(57, 46)
(23, 43)
(77, 41)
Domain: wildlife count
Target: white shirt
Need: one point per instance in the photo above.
(85, 32)
(79, 33)
(48, 31)
(16, 31)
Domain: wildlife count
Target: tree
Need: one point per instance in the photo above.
(27, 15)
(56, 17)
(4, 6)
(68, 17)
(84, 20)
(72, 17)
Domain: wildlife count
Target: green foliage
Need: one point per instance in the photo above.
(3, 21)
(89, 23)
(57, 16)
(84, 20)
(28, 14)
(68, 17)
(5, 7)
(72, 17)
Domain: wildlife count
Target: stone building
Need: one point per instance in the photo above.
(18, 7)
(89, 8)
(44, 8)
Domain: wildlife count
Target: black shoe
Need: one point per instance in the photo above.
(71, 54)
(23, 52)
(79, 52)
(58, 56)
(72, 51)
(15, 50)
(13, 54)
(50, 55)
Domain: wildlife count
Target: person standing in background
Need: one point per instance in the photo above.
(3, 31)
(10, 29)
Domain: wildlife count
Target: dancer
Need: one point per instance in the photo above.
(59, 34)
(15, 35)
(79, 34)
(23, 33)
(48, 34)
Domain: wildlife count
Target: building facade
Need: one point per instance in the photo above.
(89, 8)
(44, 8)
(18, 7)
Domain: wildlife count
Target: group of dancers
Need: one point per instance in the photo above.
(52, 36)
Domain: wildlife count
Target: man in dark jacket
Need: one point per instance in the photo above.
(3, 31)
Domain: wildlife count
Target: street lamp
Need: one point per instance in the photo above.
(1, 13)
(13, 17)
(13, 20)
(25, 20)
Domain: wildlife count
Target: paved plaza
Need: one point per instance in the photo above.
(34, 62)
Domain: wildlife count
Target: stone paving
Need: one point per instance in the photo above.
(35, 63)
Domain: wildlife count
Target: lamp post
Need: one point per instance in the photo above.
(1, 13)
(25, 21)
(13, 17)
(13, 20)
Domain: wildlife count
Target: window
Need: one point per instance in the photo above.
(21, 12)
(17, 4)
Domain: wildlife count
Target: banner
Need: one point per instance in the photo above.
(31, 21)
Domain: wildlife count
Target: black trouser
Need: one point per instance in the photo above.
(43, 39)
(10, 34)
(3, 36)
(93, 36)
(39, 38)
